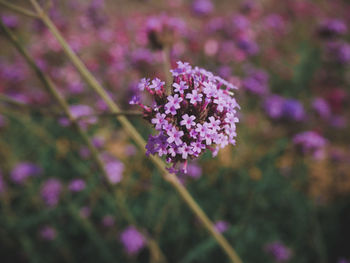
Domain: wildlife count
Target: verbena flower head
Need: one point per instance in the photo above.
(273, 106)
(331, 28)
(77, 185)
(132, 240)
(311, 143)
(10, 21)
(321, 107)
(277, 107)
(278, 251)
(338, 51)
(23, 170)
(293, 110)
(48, 233)
(202, 7)
(162, 30)
(114, 171)
(256, 82)
(221, 226)
(199, 114)
(50, 192)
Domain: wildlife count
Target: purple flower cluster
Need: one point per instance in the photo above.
(256, 82)
(48, 233)
(339, 51)
(311, 143)
(278, 107)
(50, 192)
(132, 240)
(202, 7)
(199, 114)
(275, 22)
(221, 226)
(10, 21)
(23, 170)
(278, 251)
(114, 171)
(163, 30)
(95, 13)
(77, 185)
(332, 28)
(322, 108)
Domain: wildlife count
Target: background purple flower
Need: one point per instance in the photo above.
(332, 28)
(114, 171)
(338, 51)
(311, 143)
(278, 251)
(256, 82)
(23, 170)
(10, 21)
(77, 185)
(221, 226)
(293, 110)
(202, 7)
(50, 192)
(48, 233)
(321, 107)
(273, 106)
(132, 240)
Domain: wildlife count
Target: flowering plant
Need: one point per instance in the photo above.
(199, 113)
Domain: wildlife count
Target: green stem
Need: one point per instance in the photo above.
(53, 113)
(108, 114)
(49, 85)
(171, 178)
(18, 9)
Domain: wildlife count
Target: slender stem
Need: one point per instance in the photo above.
(49, 85)
(167, 67)
(10, 100)
(21, 105)
(110, 114)
(18, 9)
(171, 178)
(55, 113)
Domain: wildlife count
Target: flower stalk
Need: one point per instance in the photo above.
(18, 9)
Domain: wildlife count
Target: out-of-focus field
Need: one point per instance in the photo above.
(280, 195)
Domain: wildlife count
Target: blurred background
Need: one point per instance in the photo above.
(282, 194)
